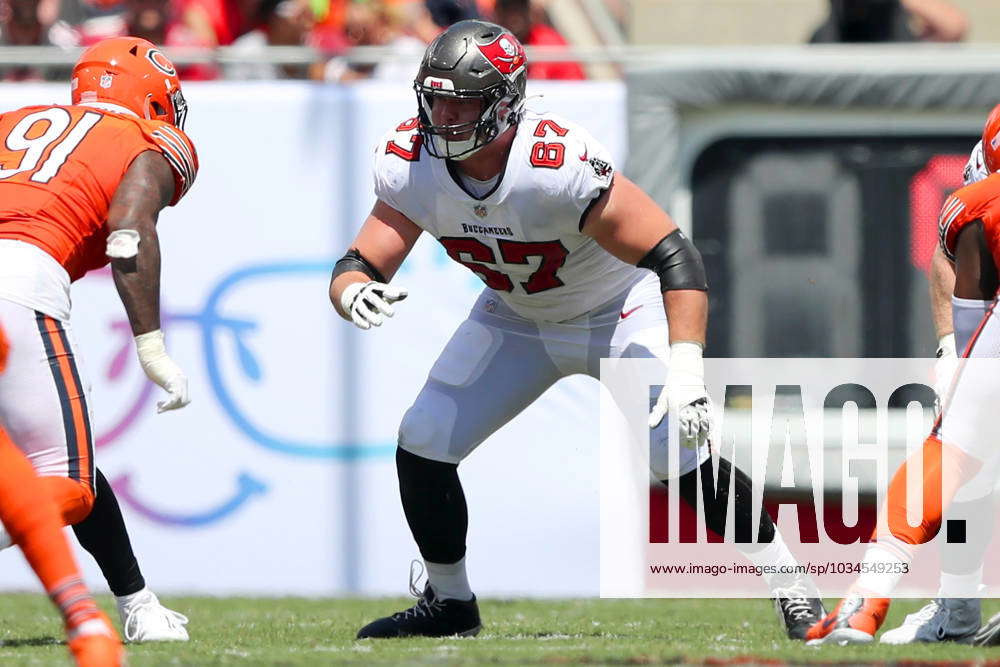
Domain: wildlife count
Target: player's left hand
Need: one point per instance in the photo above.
(684, 396)
(162, 370)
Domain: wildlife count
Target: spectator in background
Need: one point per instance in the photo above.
(76, 12)
(386, 25)
(517, 16)
(446, 12)
(328, 25)
(70, 17)
(860, 21)
(21, 25)
(220, 22)
(155, 20)
(285, 23)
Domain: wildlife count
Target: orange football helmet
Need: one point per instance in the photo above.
(991, 141)
(133, 73)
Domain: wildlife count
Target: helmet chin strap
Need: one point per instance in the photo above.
(147, 106)
(463, 155)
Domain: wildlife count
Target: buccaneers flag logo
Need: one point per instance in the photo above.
(505, 53)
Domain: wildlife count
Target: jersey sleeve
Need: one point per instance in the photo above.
(591, 168)
(395, 154)
(951, 221)
(179, 151)
(975, 168)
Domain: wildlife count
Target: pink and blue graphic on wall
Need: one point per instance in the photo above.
(233, 360)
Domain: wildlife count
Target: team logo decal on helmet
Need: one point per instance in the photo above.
(161, 62)
(132, 73)
(505, 53)
(439, 84)
(471, 60)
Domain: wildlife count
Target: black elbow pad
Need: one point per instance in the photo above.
(677, 262)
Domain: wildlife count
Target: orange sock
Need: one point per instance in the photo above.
(28, 513)
(945, 469)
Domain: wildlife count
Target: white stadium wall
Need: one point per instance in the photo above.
(279, 477)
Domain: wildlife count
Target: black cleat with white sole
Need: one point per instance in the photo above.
(799, 607)
(429, 617)
(799, 614)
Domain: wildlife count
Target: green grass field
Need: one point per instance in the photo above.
(292, 631)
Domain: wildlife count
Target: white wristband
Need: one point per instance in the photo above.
(686, 357)
(150, 345)
(946, 346)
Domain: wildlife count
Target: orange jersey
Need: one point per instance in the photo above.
(978, 201)
(60, 167)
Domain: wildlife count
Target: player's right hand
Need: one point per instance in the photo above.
(366, 303)
(684, 396)
(162, 370)
(944, 369)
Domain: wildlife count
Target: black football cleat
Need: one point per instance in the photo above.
(797, 609)
(429, 617)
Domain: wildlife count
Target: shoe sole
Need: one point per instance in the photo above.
(465, 633)
(843, 637)
(967, 640)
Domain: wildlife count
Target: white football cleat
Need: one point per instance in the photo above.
(144, 619)
(940, 620)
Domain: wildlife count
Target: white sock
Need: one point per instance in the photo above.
(880, 581)
(772, 554)
(960, 585)
(126, 601)
(449, 580)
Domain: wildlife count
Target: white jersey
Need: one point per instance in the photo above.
(523, 238)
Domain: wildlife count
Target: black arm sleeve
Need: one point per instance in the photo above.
(677, 262)
(354, 261)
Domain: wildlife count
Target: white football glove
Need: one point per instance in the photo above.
(162, 370)
(944, 369)
(684, 396)
(368, 302)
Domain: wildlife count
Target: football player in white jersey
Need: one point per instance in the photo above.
(579, 265)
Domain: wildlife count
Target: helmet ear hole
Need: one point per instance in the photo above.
(158, 109)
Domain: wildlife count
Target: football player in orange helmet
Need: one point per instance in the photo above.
(145, 83)
(959, 469)
(82, 185)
